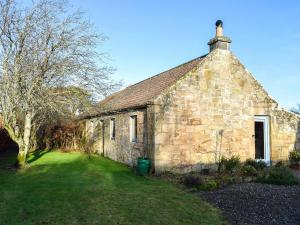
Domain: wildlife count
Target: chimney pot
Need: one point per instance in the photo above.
(219, 28)
(219, 41)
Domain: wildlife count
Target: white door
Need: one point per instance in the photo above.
(262, 138)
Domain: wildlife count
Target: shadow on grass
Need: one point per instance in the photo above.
(73, 188)
(36, 155)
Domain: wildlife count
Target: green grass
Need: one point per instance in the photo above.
(74, 188)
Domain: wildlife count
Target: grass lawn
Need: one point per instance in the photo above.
(74, 188)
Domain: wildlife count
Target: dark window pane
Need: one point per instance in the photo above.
(112, 129)
(259, 140)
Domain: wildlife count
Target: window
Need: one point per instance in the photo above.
(112, 129)
(101, 129)
(133, 128)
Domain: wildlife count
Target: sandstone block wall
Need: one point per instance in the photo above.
(210, 113)
(285, 134)
(121, 148)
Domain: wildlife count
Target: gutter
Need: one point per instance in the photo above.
(116, 111)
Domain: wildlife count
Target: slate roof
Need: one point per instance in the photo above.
(140, 94)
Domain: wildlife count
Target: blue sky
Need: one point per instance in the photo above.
(147, 37)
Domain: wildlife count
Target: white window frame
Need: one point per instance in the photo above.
(133, 129)
(112, 126)
(266, 121)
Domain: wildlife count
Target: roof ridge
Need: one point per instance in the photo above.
(143, 91)
(200, 57)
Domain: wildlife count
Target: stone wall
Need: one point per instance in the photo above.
(121, 148)
(285, 134)
(210, 113)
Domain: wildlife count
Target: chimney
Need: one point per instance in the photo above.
(219, 41)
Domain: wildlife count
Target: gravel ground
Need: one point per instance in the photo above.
(257, 204)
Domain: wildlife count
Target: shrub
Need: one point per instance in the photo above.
(205, 171)
(279, 176)
(258, 165)
(229, 164)
(230, 180)
(294, 157)
(191, 181)
(279, 164)
(248, 170)
(208, 185)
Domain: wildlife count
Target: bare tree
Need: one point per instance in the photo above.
(47, 56)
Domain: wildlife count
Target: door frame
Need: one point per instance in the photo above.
(266, 122)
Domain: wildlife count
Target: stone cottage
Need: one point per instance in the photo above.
(187, 117)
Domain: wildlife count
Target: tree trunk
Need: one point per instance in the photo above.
(24, 145)
(21, 158)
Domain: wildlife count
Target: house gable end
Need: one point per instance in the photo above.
(208, 113)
